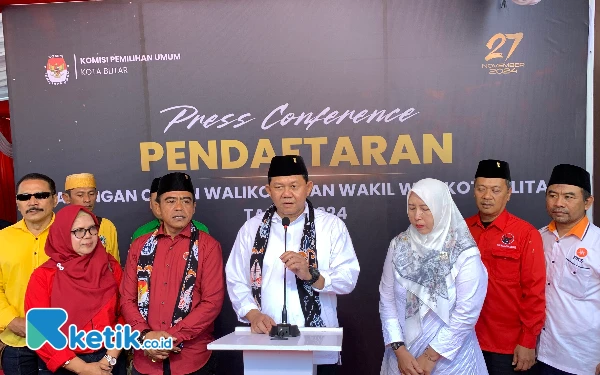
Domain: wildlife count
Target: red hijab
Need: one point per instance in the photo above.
(82, 284)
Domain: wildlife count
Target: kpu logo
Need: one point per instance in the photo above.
(43, 326)
(57, 72)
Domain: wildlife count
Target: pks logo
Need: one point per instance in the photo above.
(508, 238)
(503, 66)
(57, 70)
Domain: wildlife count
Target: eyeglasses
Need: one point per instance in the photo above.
(81, 232)
(26, 197)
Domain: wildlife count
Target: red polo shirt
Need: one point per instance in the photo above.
(195, 330)
(514, 310)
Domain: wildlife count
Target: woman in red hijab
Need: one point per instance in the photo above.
(81, 278)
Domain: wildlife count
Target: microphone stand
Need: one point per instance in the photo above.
(283, 330)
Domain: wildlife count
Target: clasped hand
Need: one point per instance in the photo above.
(157, 355)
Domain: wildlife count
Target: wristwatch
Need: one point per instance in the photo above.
(315, 275)
(111, 360)
(143, 335)
(396, 345)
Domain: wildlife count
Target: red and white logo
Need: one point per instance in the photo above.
(581, 252)
(508, 238)
(57, 72)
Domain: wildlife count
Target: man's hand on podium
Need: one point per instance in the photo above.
(259, 322)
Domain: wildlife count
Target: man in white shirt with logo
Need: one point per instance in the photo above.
(320, 260)
(570, 340)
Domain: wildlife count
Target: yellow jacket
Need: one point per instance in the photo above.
(20, 253)
(108, 235)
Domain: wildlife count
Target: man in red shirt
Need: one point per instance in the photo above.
(511, 249)
(184, 269)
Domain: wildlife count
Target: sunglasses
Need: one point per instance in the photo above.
(26, 197)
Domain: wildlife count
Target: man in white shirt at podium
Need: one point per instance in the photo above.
(320, 261)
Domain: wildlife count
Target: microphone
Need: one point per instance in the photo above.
(283, 330)
(285, 222)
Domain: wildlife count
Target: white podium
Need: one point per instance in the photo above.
(294, 356)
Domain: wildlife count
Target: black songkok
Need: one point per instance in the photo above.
(176, 181)
(571, 175)
(288, 165)
(493, 169)
(154, 186)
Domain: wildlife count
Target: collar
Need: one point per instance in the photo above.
(277, 218)
(578, 230)
(499, 222)
(186, 232)
(22, 226)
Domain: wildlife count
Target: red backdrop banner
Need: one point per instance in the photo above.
(8, 209)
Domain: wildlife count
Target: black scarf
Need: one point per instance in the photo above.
(144, 271)
(309, 298)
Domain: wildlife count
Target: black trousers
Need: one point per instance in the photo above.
(19, 361)
(501, 364)
(210, 368)
(327, 369)
(549, 370)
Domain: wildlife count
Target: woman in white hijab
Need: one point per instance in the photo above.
(432, 289)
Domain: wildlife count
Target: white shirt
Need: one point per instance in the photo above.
(456, 342)
(336, 259)
(570, 339)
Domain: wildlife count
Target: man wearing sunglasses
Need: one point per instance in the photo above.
(21, 252)
(81, 189)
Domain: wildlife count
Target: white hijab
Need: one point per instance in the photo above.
(436, 196)
(424, 263)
